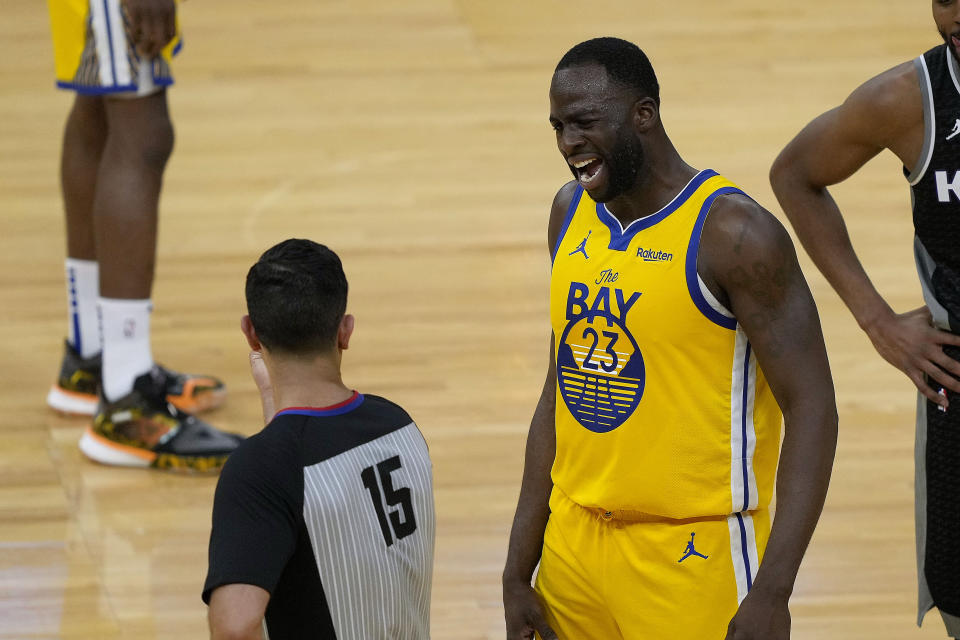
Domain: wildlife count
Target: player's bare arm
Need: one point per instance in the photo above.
(152, 24)
(884, 113)
(522, 608)
(236, 612)
(748, 261)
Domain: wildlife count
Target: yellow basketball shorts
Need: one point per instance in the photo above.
(605, 576)
(94, 53)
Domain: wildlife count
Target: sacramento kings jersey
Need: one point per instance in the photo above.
(661, 407)
(935, 187)
(331, 511)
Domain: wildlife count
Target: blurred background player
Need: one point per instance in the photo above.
(913, 110)
(678, 338)
(116, 56)
(323, 523)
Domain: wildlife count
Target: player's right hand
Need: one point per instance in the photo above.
(152, 24)
(524, 614)
(911, 343)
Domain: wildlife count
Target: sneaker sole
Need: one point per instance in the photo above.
(71, 402)
(105, 451)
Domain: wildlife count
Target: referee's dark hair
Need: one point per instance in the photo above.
(624, 61)
(296, 297)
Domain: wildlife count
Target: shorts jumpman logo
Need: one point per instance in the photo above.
(690, 551)
(582, 247)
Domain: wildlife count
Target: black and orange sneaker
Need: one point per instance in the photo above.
(144, 429)
(76, 388)
(75, 391)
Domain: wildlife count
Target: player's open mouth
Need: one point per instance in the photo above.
(587, 169)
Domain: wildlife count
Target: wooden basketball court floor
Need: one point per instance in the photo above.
(412, 137)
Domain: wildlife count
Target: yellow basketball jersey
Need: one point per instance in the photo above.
(661, 407)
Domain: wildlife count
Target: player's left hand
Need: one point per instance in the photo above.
(761, 616)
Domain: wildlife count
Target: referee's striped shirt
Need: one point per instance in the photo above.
(331, 511)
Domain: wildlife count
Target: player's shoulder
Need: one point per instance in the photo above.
(563, 197)
(562, 202)
(893, 96)
(385, 410)
(738, 229)
(269, 455)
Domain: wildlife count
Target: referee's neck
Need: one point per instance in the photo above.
(306, 382)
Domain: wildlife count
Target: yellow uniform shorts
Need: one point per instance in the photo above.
(617, 575)
(94, 54)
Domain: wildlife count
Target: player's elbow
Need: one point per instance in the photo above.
(235, 626)
(792, 184)
(781, 173)
(237, 631)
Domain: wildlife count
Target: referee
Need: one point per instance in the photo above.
(323, 523)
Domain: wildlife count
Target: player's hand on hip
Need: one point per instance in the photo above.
(524, 614)
(911, 343)
(152, 24)
(761, 616)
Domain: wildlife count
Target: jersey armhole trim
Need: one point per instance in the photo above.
(929, 122)
(952, 66)
(567, 218)
(712, 299)
(712, 311)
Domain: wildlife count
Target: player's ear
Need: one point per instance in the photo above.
(646, 114)
(345, 331)
(250, 333)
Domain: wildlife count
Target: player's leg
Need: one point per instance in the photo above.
(84, 137)
(134, 421)
(138, 145)
(658, 589)
(938, 515)
(570, 573)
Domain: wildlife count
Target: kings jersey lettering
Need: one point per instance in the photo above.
(947, 186)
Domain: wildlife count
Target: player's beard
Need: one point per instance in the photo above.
(623, 165)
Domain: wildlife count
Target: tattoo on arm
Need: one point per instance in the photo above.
(767, 286)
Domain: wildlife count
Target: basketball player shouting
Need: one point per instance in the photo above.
(323, 522)
(682, 327)
(913, 110)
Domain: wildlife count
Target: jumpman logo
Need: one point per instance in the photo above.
(956, 129)
(690, 551)
(582, 247)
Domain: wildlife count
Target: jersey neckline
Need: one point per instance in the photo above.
(340, 408)
(621, 236)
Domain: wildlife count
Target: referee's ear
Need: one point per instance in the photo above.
(250, 333)
(345, 331)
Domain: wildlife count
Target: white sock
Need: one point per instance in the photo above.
(125, 326)
(83, 288)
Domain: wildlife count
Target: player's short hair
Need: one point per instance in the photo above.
(296, 297)
(624, 62)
